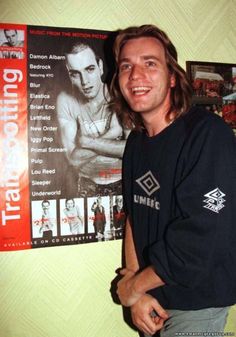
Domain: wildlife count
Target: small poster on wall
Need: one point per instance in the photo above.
(61, 146)
(214, 87)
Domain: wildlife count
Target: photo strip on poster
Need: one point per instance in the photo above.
(61, 144)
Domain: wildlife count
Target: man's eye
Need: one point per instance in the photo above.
(150, 64)
(124, 67)
(74, 74)
(90, 69)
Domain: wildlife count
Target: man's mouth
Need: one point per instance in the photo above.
(87, 90)
(141, 90)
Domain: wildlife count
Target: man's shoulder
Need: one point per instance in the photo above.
(65, 95)
(134, 135)
(67, 103)
(68, 98)
(205, 129)
(198, 118)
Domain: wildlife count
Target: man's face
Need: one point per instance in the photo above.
(99, 201)
(144, 78)
(70, 204)
(45, 206)
(85, 73)
(11, 36)
(119, 202)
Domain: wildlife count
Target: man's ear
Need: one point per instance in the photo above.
(172, 81)
(100, 65)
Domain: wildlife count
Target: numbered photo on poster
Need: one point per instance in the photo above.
(98, 209)
(72, 216)
(44, 218)
(118, 215)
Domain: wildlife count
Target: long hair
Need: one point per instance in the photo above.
(180, 94)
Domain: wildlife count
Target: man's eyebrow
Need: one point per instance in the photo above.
(148, 57)
(91, 66)
(78, 71)
(124, 59)
(145, 57)
(73, 70)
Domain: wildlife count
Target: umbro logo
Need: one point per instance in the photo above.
(214, 200)
(148, 183)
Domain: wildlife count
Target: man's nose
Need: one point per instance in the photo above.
(136, 72)
(84, 78)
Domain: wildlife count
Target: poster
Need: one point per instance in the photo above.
(214, 88)
(60, 144)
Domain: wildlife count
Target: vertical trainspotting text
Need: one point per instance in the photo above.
(14, 180)
(10, 152)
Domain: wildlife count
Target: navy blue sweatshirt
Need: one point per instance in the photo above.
(180, 194)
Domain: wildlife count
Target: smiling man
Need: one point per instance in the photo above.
(179, 190)
(12, 38)
(12, 47)
(90, 132)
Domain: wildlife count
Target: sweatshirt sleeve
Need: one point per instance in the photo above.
(201, 231)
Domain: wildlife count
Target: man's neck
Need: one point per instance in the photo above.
(157, 123)
(96, 103)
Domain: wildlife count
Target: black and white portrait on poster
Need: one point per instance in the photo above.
(76, 142)
(11, 43)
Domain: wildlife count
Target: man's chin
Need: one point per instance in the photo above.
(137, 106)
(138, 109)
(89, 96)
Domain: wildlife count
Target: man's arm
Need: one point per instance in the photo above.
(105, 147)
(148, 315)
(76, 156)
(134, 284)
(108, 144)
(131, 261)
(142, 311)
(79, 214)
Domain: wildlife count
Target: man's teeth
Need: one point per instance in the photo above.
(140, 90)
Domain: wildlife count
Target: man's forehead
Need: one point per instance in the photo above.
(10, 32)
(145, 47)
(81, 59)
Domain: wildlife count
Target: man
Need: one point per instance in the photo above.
(12, 38)
(90, 132)
(46, 227)
(99, 220)
(73, 217)
(13, 42)
(118, 213)
(119, 218)
(179, 189)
